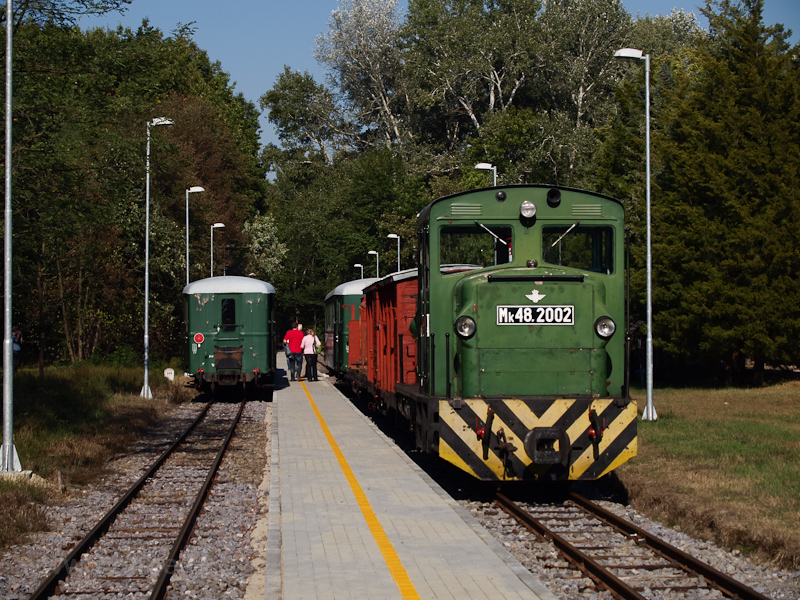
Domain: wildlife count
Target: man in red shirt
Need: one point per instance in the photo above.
(294, 338)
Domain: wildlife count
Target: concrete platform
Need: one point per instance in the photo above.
(352, 517)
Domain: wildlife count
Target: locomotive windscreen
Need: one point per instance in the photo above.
(586, 248)
(483, 245)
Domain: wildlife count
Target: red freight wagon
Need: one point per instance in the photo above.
(357, 358)
(390, 347)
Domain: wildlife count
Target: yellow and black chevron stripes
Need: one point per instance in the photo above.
(589, 454)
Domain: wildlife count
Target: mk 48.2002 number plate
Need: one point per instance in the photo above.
(535, 315)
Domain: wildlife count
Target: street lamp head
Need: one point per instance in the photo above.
(196, 188)
(393, 236)
(373, 252)
(161, 121)
(628, 53)
(358, 265)
(216, 225)
(488, 167)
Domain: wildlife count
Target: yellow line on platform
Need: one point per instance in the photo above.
(396, 568)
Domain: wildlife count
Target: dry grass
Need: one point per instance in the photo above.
(66, 427)
(724, 465)
(21, 508)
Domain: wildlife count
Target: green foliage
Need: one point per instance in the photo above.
(332, 221)
(413, 104)
(303, 113)
(728, 215)
(123, 356)
(266, 252)
(59, 12)
(81, 103)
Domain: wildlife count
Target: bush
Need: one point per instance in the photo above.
(124, 356)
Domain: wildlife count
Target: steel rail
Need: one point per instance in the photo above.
(727, 585)
(160, 589)
(582, 561)
(48, 586)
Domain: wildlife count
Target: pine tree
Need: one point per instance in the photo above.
(726, 258)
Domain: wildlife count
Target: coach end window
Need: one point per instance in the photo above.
(228, 314)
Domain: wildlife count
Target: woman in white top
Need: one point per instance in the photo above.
(309, 346)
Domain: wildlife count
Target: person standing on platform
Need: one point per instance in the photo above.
(294, 338)
(16, 338)
(310, 345)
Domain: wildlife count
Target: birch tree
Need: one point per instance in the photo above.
(361, 52)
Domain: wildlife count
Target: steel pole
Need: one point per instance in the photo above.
(10, 462)
(146, 393)
(187, 237)
(649, 413)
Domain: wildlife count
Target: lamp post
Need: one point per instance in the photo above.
(377, 262)
(488, 167)
(9, 459)
(191, 190)
(394, 236)
(360, 266)
(146, 393)
(649, 413)
(213, 227)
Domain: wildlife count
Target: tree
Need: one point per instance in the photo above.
(60, 12)
(305, 115)
(80, 108)
(266, 252)
(466, 59)
(727, 268)
(575, 64)
(362, 54)
(330, 217)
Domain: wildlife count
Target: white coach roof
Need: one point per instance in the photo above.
(229, 285)
(351, 288)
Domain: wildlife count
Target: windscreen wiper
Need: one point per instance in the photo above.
(563, 235)
(492, 233)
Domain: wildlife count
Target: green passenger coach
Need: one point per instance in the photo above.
(342, 318)
(229, 333)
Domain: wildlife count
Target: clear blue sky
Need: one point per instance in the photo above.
(254, 39)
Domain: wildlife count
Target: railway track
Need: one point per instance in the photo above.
(613, 555)
(134, 548)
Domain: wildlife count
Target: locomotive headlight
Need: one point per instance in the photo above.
(605, 327)
(527, 209)
(465, 327)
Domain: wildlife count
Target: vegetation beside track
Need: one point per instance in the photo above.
(719, 464)
(724, 465)
(67, 424)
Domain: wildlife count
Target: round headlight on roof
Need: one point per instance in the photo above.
(465, 326)
(527, 209)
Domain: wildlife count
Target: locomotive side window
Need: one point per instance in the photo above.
(228, 314)
(586, 248)
(480, 244)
